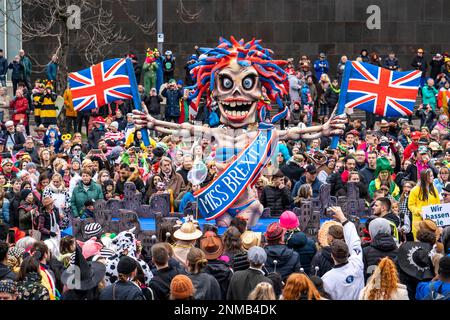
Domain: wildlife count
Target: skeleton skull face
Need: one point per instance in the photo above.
(237, 91)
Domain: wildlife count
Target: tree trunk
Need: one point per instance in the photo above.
(63, 55)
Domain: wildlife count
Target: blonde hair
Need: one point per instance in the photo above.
(196, 260)
(263, 291)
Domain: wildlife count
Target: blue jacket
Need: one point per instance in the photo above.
(315, 187)
(188, 197)
(305, 248)
(304, 94)
(321, 66)
(173, 102)
(52, 70)
(5, 210)
(423, 289)
(391, 64)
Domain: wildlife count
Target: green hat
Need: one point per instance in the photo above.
(383, 164)
(172, 81)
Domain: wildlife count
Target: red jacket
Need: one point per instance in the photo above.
(19, 106)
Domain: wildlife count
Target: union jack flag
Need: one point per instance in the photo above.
(100, 84)
(380, 91)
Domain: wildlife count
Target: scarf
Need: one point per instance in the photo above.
(334, 89)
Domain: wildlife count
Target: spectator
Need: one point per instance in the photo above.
(181, 288)
(321, 65)
(27, 66)
(52, 69)
(86, 189)
(173, 95)
(168, 66)
(419, 63)
(96, 134)
(71, 114)
(5, 272)
(48, 112)
(309, 178)
(384, 284)
(436, 65)
(262, 291)
(438, 289)
(276, 196)
(300, 287)
(3, 69)
(124, 289)
(341, 68)
(17, 74)
(243, 282)
(391, 62)
(206, 286)
(287, 260)
(346, 280)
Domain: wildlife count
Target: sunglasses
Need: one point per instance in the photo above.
(445, 194)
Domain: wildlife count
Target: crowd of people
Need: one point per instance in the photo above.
(52, 172)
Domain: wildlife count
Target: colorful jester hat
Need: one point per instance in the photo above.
(270, 71)
(149, 56)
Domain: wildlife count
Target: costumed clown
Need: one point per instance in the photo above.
(383, 174)
(232, 76)
(150, 69)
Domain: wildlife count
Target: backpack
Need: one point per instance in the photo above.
(436, 294)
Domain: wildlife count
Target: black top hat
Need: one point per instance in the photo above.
(87, 276)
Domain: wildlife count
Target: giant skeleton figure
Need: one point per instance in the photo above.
(233, 76)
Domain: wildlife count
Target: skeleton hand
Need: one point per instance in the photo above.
(335, 126)
(142, 119)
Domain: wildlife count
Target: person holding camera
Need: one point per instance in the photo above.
(173, 94)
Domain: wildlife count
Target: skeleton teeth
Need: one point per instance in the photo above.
(232, 104)
(239, 113)
(238, 103)
(234, 113)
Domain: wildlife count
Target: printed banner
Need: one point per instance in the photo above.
(439, 213)
(216, 198)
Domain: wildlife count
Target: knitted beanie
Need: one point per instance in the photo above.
(181, 287)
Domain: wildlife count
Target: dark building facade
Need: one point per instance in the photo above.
(290, 27)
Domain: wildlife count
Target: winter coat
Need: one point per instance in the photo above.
(61, 199)
(80, 196)
(4, 214)
(320, 67)
(383, 245)
(401, 293)
(176, 183)
(423, 289)
(419, 63)
(153, 104)
(26, 66)
(31, 288)
(173, 102)
(288, 260)
(367, 174)
(121, 291)
(160, 283)
(6, 273)
(46, 222)
(70, 111)
(52, 70)
(238, 261)
(222, 273)
(391, 64)
(278, 200)
(306, 248)
(3, 66)
(94, 136)
(17, 137)
(17, 71)
(206, 286)
(323, 260)
(25, 215)
(243, 282)
(19, 107)
(315, 187)
(293, 171)
(436, 68)
(295, 84)
(415, 205)
(332, 96)
(429, 97)
(48, 108)
(412, 174)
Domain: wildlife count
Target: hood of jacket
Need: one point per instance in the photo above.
(297, 240)
(279, 252)
(218, 269)
(384, 242)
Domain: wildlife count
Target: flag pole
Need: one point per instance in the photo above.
(136, 97)
(342, 97)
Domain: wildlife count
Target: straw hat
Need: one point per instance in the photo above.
(188, 231)
(322, 235)
(250, 239)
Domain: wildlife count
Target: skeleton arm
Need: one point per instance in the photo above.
(334, 126)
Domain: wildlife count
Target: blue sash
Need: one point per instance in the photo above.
(217, 197)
